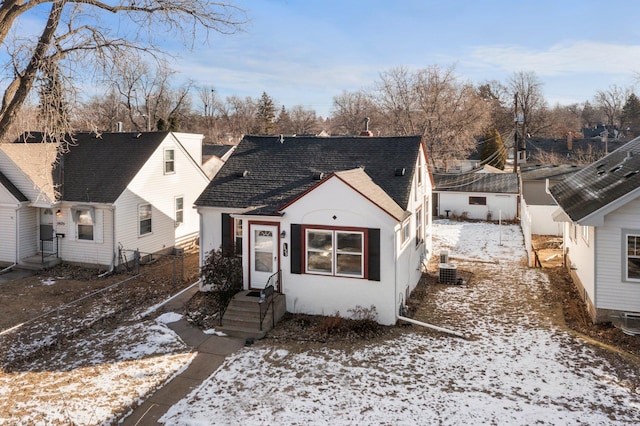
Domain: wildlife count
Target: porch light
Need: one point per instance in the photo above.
(59, 212)
(283, 234)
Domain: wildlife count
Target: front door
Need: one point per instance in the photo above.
(263, 254)
(46, 231)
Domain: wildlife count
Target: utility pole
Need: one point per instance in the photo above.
(516, 143)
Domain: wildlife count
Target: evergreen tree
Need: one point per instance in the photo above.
(630, 117)
(283, 122)
(266, 114)
(493, 151)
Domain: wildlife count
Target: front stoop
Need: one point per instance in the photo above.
(36, 263)
(242, 317)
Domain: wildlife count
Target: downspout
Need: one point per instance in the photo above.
(113, 243)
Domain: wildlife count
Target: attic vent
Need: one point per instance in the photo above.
(318, 176)
(599, 166)
(601, 172)
(243, 173)
(400, 171)
(629, 174)
(616, 168)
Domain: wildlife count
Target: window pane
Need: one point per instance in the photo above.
(84, 218)
(319, 240)
(168, 154)
(85, 232)
(632, 245)
(319, 262)
(168, 161)
(349, 264)
(633, 268)
(263, 262)
(349, 242)
(145, 219)
(263, 249)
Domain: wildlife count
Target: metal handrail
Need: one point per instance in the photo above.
(267, 295)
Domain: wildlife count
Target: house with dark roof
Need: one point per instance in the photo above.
(480, 196)
(599, 208)
(84, 198)
(336, 223)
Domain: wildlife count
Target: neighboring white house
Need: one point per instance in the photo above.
(600, 207)
(345, 221)
(479, 196)
(102, 192)
(214, 157)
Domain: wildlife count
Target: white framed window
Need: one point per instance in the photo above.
(169, 161)
(405, 232)
(477, 201)
(85, 224)
(419, 227)
(632, 270)
(335, 252)
(179, 204)
(144, 219)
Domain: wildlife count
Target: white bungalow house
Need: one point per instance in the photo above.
(599, 207)
(479, 196)
(99, 193)
(343, 221)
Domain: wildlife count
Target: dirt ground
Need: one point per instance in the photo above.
(26, 298)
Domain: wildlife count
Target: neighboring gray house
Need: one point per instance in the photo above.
(600, 210)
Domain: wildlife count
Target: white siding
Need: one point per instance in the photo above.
(100, 251)
(542, 221)
(152, 186)
(458, 203)
(613, 292)
(8, 219)
(28, 232)
(582, 257)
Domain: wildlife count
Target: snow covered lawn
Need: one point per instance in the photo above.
(94, 379)
(519, 368)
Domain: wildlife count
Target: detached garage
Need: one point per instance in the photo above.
(480, 196)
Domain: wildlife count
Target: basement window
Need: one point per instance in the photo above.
(477, 201)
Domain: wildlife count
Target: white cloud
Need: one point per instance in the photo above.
(563, 58)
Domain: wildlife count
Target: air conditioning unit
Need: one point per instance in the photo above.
(448, 274)
(444, 256)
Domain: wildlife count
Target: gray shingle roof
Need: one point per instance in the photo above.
(601, 183)
(497, 183)
(277, 172)
(4, 181)
(219, 151)
(551, 172)
(98, 169)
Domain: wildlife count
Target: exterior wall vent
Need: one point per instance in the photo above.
(243, 173)
(318, 176)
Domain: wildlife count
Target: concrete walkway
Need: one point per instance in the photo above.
(212, 351)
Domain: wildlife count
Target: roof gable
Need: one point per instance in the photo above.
(35, 161)
(599, 187)
(267, 172)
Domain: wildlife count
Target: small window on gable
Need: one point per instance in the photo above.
(144, 219)
(633, 257)
(85, 225)
(169, 161)
(179, 210)
(477, 201)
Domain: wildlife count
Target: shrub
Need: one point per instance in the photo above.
(223, 275)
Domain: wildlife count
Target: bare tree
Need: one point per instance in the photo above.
(432, 102)
(303, 121)
(531, 102)
(611, 101)
(74, 39)
(350, 109)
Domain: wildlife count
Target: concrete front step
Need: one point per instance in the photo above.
(35, 263)
(242, 317)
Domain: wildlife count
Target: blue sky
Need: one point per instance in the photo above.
(308, 51)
